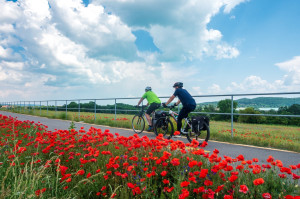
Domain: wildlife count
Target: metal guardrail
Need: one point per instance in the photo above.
(22, 104)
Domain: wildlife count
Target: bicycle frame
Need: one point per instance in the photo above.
(174, 115)
(144, 116)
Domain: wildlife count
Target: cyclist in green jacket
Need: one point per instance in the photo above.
(153, 102)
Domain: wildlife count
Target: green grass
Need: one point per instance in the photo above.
(273, 136)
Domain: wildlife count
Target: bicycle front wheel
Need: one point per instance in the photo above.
(163, 126)
(138, 124)
(202, 135)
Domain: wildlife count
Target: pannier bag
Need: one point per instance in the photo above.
(198, 123)
(159, 114)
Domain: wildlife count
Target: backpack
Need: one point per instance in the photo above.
(198, 123)
(159, 114)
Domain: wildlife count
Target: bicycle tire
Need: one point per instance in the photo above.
(163, 126)
(203, 135)
(138, 124)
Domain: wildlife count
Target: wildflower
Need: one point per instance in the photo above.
(266, 196)
(130, 185)
(163, 173)
(208, 183)
(204, 144)
(184, 184)
(80, 172)
(232, 178)
(258, 181)
(243, 189)
(240, 157)
(88, 175)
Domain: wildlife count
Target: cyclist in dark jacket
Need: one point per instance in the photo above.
(187, 101)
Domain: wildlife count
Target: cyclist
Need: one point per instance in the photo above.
(187, 101)
(153, 101)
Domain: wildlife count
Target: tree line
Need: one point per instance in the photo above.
(224, 106)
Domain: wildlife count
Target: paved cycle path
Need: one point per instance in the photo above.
(228, 149)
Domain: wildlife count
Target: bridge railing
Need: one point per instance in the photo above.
(62, 105)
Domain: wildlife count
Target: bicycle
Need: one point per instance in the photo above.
(138, 121)
(199, 132)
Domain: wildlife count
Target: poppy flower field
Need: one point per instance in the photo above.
(272, 136)
(38, 163)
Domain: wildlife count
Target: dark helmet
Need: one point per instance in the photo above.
(179, 84)
(148, 88)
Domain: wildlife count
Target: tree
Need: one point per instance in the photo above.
(251, 118)
(225, 107)
(294, 109)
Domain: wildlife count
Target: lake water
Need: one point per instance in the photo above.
(262, 109)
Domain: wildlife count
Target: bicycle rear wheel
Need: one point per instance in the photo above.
(138, 124)
(163, 126)
(202, 135)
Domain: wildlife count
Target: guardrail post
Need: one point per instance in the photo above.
(95, 111)
(115, 109)
(232, 116)
(55, 107)
(66, 109)
(79, 110)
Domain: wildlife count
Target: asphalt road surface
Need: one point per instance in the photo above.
(232, 150)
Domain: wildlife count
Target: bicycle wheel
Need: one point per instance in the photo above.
(202, 135)
(163, 126)
(138, 124)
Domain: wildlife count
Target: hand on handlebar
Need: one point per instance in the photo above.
(164, 105)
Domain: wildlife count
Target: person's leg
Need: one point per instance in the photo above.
(148, 119)
(151, 108)
(182, 114)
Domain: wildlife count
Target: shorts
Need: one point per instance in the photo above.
(152, 108)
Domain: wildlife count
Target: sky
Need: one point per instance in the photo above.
(73, 49)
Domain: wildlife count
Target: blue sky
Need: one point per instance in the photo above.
(72, 49)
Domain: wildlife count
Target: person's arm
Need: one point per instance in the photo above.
(170, 100)
(178, 102)
(140, 101)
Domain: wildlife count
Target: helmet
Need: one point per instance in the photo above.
(148, 88)
(179, 84)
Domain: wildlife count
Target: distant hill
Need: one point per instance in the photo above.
(261, 102)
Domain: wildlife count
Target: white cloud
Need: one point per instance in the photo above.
(293, 68)
(230, 4)
(178, 27)
(215, 89)
(50, 44)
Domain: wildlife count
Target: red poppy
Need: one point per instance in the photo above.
(80, 172)
(243, 189)
(204, 144)
(163, 173)
(232, 178)
(88, 175)
(258, 181)
(266, 196)
(240, 157)
(184, 184)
